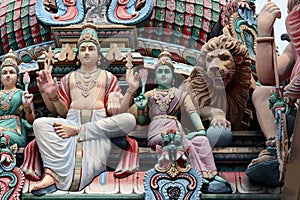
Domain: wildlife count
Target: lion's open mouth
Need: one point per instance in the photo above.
(221, 81)
(226, 79)
(6, 159)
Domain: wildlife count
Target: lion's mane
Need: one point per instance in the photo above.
(237, 90)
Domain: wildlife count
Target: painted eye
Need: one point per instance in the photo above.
(167, 71)
(159, 71)
(2, 145)
(224, 57)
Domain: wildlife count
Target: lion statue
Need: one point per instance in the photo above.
(219, 84)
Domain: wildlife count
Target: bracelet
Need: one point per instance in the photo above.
(54, 98)
(264, 39)
(27, 110)
(199, 128)
(132, 93)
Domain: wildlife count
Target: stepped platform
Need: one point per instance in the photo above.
(231, 162)
(132, 187)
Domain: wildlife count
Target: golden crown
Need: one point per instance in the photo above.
(10, 59)
(88, 34)
(165, 58)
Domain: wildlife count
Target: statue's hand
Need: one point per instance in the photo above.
(141, 101)
(27, 99)
(46, 83)
(266, 18)
(114, 102)
(132, 79)
(220, 120)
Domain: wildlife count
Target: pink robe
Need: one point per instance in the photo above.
(200, 152)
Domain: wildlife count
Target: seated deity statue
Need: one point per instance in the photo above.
(269, 99)
(74, 148)
(16, 113)
(161, 107)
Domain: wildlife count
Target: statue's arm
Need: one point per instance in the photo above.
(193, 114)
(264, 49)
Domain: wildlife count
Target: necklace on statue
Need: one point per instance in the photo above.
(87, 75)
(5, 104)
(163, 98)
(86, 84)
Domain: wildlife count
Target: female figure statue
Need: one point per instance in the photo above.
(13, 102)
(164, 106)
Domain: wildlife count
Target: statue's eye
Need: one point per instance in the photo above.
(224, 57)
(209, 58)
(2, 145)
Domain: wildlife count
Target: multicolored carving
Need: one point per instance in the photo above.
(125, 12)
(11, 177)
(184, 23)
(19, 27)
(95, 11)
(281, 108)
(68, 12)
(172, 177)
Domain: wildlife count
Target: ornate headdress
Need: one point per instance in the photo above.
(10, 59)
(165, 58)
(88, 34)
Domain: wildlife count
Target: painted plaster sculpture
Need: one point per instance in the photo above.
(12, 177)
(76, 167)
(161, 108)
(125, 12)
(219, 84)
(16, 105)
(172, 177)
(68, 12)
(269, 167)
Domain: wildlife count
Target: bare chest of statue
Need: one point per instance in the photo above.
(87, 90)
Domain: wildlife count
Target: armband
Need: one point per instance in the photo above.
(27, 110)
(264, 39)
(132, 93)
(54, 99)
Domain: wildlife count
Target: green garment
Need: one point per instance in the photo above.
(10, 122)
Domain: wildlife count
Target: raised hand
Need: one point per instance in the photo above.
(266, 18)
(46, 83)
(132, 79)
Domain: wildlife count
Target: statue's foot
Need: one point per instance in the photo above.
(265, 173)
(122, 174)
(216, 185)
(45, 186)
(65, 130)
(47, 190)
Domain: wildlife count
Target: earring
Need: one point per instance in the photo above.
(99, 62)
(77, 63)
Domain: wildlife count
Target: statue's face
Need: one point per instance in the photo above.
(164, 76)
(88, 54)
(220, 67)
(9, 76)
